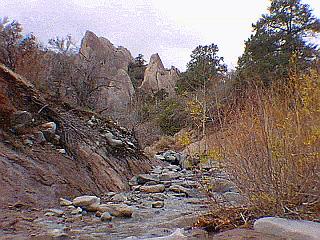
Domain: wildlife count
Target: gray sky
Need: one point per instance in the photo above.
(173, 28)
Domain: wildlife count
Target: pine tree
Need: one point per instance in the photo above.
(278, 36)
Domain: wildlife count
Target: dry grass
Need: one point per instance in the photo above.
(272, 148)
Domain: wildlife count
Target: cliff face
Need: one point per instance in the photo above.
(158, 78)
(49, 151)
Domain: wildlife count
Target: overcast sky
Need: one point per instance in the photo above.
(173, 28)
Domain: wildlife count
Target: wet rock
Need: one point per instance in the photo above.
(105, 217)
(64, 202)
(288, 229)
(84, 201)
(158, 204)
(153, 189)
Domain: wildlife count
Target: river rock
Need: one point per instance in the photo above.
(153, 188)
(120, 197)
(84, 201)
(65, 202)
(120, 210)
(158, 204)
(105, 217)
(179, 189)
(54, 212)
(288, 229)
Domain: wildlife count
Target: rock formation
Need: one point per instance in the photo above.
(116, 91)
(158, 78)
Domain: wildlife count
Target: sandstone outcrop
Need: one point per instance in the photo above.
(157, 78)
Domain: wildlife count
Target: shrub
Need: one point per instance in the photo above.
(272, 148)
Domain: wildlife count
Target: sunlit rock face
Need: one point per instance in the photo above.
(158, 78)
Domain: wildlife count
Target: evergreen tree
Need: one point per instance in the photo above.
(279, 36)
(204, 66)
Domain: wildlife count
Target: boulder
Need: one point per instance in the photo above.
(84, 201)
(153, 189)
(288, 229)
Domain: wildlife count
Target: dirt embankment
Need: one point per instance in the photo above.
(50, 150)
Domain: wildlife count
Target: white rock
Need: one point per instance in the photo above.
(288, 229)
(84, 201)
(62, 151)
